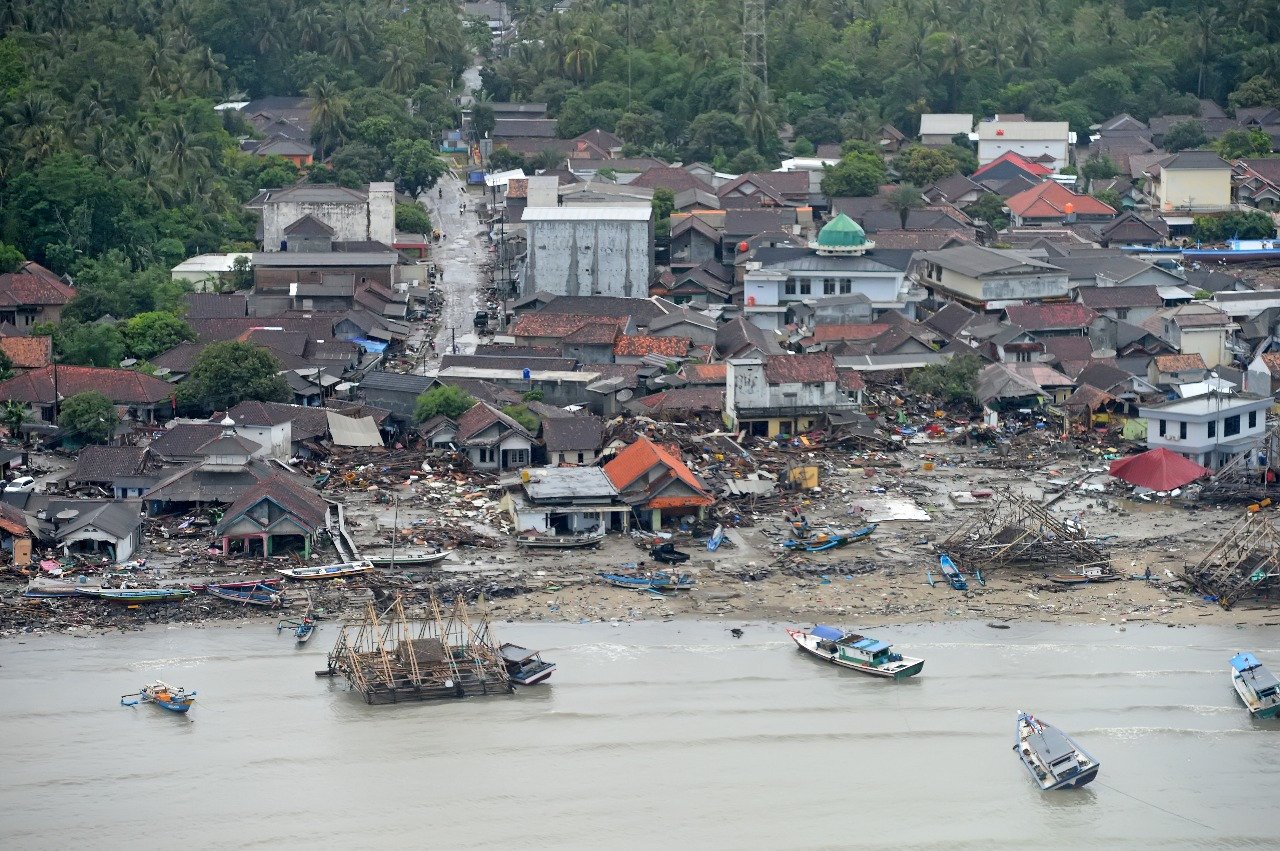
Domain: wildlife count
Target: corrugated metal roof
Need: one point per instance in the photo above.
(353, 431)
(1024, 130)
(590, 213)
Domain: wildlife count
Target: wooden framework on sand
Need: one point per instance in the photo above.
(1014, 531)
(396, 655)
(1246, 560)
(1239, 480)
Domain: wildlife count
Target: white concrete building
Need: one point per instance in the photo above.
(204, 272)
(939, 128)
(1210, 429)
(1047, 142)
(354, 215)
(783, 394)
(589, 250)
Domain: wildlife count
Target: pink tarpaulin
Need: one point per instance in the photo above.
(1158, 469)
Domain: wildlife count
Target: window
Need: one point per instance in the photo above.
(1213, 429)
(486, 455)
(805, 288)
(1253, 419)
(1230, 426)
(1122, 313)
(846, 287)
(1023, 357)
(1163, 428)
(829, 286)
(1182, 431)
(789, 288)
(517, 456)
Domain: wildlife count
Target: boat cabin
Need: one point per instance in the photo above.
(853, 647)
(1257, 677)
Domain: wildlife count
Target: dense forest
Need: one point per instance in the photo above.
(666, 74)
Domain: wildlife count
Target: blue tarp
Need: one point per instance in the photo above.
(1244, 661)
(830, 633)
(370, 345)
(871, 645)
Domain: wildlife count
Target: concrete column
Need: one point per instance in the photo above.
(225, 545)
(266, 545)
(655, 518)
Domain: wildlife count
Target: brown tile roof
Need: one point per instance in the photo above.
(305, 422)
(121, 386)
(480, 416)
(1272, 360)
(107, 463)
(573, 433)
(1069, 348)
(800, 369)
(216, 306)
(850, 380)
(285, 491)
(28, 352)
(1105, 297)
(1179, 363)
(565, 325)
(781, 183)
(705, 373)
(639, 345)
(827, 333)
(670, 177)
(1043, 317)
(33, 284)
(181, 359)
(13, 521)
(686, 399)
(184, 440)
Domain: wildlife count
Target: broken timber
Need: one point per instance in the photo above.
(397, 655)
(1243, 479)
(1244, 561)
(1016, 532)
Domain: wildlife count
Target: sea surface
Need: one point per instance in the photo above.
(649, 735)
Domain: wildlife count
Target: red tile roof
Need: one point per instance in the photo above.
(827, 333)
(686, 399)
(119, 385)
(800, 369)
(28, 352)
(705, 373)
(639, 345)
(1050, 200)
(641, 457)
(850, 379)
(1017, 159)
(565, 325)
(13, 521)
(1181, 363)
(1043, 317)
(33, 284)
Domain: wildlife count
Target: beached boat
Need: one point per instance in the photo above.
(716, 539)
(1256, 685)
(799, 527)
(525, 667)
(559, 542)
(329, 571)
(39, 587)
(859, 652)
(163, 695)
(302, 629)
(408, 559)
(968, 499)
(259, 595)
(137, 595)
(660, 581)
(274, 582)
(1050, 756)
(830, 540)
(952, 573)
(1085, 576)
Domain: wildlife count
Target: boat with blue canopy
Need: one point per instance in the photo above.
(860, 652)
(1051, 757)
(1256, 685)
(824, 541)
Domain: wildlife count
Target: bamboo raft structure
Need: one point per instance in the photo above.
(1244, 561)
(397, 655)
(1016, 532)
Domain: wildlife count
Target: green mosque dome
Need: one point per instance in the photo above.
(841, 232)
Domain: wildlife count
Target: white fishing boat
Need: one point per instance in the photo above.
(1051, 757)
(328, 571)
(524, 666)
(859, 652)
(1256, 685)
(409, 559)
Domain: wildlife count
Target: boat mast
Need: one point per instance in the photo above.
(395, 529)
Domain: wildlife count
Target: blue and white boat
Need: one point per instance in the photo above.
(163, 695)
(1256, 685)
(660, 581)
(859, 652)
(1050, 756)
(952, 573)
(824, 541)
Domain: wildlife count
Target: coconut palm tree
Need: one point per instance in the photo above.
(954, 62)
(756, 113)
(207, 70)
(402, 68)
(580, 60)
(328, 114)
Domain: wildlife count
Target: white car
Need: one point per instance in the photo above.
(22, 484)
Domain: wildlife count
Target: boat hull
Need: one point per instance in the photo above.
(905, 669)
(558, 543)
(1257, 709)
(1046, 773)
(268, 599)
(532, 678)
(335, 571)
(409, 561)
(137, 595)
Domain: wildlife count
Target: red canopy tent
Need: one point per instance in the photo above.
(1158, 469)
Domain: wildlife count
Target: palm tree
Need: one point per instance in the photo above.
(581, 58)
(1030, 44)
(954, 63)
(186, 154)
(402, 68)
(328, 114)
(1204, 41)
(346, 42)
(208, 67)
(904, 199)
(756, 113)
(310, 24)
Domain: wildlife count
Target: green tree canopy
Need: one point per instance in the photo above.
(857, 174)
(92, 344)
(521, 414)
(148, 334)
(6, 366)
(1100, 168)
(226, 374)
(1235, 144)
(953, 381)
(664, 204)
(416, 165)
(445, 400)
(989, 208)
(89, 417)
(1254, 224)
(924, 166)
(11, 259)
(412, 218)
(1188, 134)
(903, 199)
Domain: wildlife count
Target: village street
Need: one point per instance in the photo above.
(460, 255)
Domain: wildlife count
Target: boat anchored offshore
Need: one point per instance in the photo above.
(1256, 685)
(1051, 757)
(525, 667)
(860, 652)
(163, 695)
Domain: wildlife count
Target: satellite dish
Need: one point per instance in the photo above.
(1044, 357)
(625, 395)
(69, 514)
(1104, 353)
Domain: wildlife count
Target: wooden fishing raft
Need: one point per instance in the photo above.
(398, 655)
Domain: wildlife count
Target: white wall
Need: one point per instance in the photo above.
(590, 258)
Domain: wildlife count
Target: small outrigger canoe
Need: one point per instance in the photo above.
(1256, 686)
(329, 571)
(259, 595)
(559, 542)
(408, 559)
(859, 652)
(163, 695)
(302, 629)
(659, 581)
(1051, 757)
(952, 573)
(830, 540)
(1089, 574)
(137, 595)
(525, 667)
